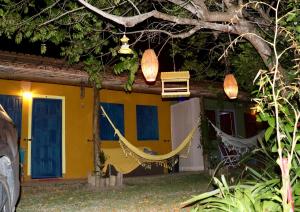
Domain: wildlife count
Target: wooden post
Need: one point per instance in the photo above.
(96, 129)
(202, 117)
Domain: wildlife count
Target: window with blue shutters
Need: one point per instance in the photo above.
(116, 114)
(13, 106)
(147, 122)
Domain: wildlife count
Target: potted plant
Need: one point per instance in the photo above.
(97, 179)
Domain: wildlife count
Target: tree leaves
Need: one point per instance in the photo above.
(129, 64)
(268, 133)
(246, 62)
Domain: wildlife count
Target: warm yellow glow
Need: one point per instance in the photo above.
(149, 65)
(254, 109)
(27, 95)
(230, 86)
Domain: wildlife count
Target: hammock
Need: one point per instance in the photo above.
(144, 158)
(116, 157)
(239, 144)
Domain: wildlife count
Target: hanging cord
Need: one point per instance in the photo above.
(173, 56)
(226, 61)
(148, 41)
(148, 37)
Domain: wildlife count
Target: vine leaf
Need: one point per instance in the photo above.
(129, 64)
(268, 133)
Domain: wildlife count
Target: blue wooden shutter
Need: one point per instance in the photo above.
(116, 114)
(147, 122)
(13, 106)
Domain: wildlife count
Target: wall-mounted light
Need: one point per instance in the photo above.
(27, 95)
(26, 90)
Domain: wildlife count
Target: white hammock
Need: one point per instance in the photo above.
(238, 144)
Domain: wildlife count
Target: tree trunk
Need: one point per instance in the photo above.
(96, 129)
(249, 32)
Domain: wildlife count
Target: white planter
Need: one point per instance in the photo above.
(92, 180)
(112, 180)
(96, 181)
(119, 179)
(106, 181)
(100, 182)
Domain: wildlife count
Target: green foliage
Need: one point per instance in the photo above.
(291, 19)
(81, 35)
(209, 146)
(246, 62)
(250, 196)
(129, 64)
(94, 68)
(102, 160)
(287, 100)
(202, 64)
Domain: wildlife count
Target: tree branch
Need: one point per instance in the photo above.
(170, 34)
(236, 24)
(134, 20)
(138, 11)
(125, 21)
(227, 3)
(44, 10)
(61, 15)
(191, 7)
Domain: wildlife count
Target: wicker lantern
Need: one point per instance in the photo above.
(149, 65)
(230, 86)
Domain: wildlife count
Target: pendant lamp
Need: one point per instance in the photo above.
(230, 86)
(149, 65)
(125, 46)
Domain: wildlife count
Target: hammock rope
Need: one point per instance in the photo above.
(239, 144)
(144, 158)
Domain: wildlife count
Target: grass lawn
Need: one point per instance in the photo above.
(155, 193)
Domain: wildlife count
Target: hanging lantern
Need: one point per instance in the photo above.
(230, 86)
(125, 46)
(149, 65)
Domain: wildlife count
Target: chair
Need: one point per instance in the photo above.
(229, 155)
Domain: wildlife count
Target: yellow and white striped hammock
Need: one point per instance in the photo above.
(142, 158)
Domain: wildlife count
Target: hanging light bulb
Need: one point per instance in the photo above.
(149, 65)
(125, 46)
(230, 86)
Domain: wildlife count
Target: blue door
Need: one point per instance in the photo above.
(13, 106)
(46, 154)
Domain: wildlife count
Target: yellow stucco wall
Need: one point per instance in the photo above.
(163, 145)
(78, 122)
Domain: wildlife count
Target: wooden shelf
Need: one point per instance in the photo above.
(181, 89)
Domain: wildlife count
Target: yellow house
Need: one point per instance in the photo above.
(56, 119)
(52, 106)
